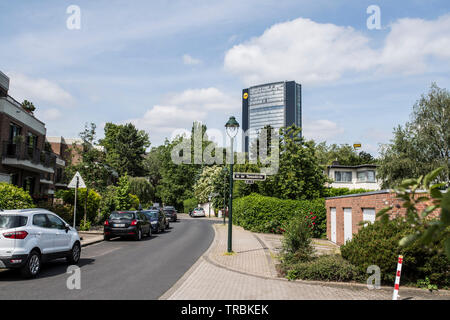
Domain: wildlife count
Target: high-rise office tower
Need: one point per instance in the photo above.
(277, 104)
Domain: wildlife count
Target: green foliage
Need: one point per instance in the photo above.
(68, 196)
(335, 192)
(325, 268)
(28, 106)
(297, 245)
(189, 204)
(85, 225)
(108, 203)
(425, 230)
(258, 213)
(123, 199)
(12, 197)
(423, 144)
(125, 147)
(65, 211)
(345, 154)
(142, 188)
(378, 244)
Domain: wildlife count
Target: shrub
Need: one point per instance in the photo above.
(93, 203)
(190, 204)
(378, 244)
(297, 245)
(85, 225)
(259, 213)
(65, 211)
(12, 197)
(335, 192)
(325, 268)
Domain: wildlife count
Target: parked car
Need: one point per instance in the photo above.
(30, 237)
(171, 213)
(127, 224)
(157, 219)
(198, 212)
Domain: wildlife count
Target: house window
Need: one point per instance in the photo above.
(343, 176)
(14, 131)
(366, 176)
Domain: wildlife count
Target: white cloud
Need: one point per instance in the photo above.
(178, 111)
(312, 52)
(38, 90)
(321, 130)
(187, 59)
(48, 114)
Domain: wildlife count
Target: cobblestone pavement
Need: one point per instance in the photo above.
(250, 274)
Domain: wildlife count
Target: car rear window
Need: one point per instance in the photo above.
(8, 222)
(152, 214)
(122, 215)
(198, 209)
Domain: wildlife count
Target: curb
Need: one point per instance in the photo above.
(87, 243)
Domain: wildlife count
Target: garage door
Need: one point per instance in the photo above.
(333, 225)
(347, 224)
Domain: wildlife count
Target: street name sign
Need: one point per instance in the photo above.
(249, 176)
(73, 183)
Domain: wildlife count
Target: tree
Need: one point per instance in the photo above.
(125, 148)
(344, 154)
(423, 144)
(142, 188)
(300, 176)
(28, 106)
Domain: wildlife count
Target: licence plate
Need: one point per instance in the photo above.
(119, 225)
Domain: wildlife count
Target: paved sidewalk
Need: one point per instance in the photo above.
(250, 274)
(90, 237)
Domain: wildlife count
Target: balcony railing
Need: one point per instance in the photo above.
(22, 152)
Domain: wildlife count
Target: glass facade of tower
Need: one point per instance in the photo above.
(276, 104)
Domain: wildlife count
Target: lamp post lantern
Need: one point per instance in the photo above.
(232, 127)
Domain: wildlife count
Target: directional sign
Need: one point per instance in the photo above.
(249, 181)
(249, 176)
(73, 183)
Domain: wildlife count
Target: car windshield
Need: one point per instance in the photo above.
(168, 210)
(122, 215)
(7, 222)
(151, 214)
(198, 209)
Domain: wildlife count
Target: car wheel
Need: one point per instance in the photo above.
(138, 235)
(75, 254)
(33, 265)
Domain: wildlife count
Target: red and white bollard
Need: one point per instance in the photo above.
(397, 277)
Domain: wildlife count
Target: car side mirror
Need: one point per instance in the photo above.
(67, 227)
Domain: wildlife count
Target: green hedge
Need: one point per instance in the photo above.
(335, 192)
(12, 197)
(325, 268)
(267, 214)
(377, 244)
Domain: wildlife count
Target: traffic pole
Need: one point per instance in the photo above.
(397, 277)
(75, 204)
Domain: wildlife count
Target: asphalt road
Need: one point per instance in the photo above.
(119, 269)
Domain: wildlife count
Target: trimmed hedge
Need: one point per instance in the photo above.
(335, 192)
(325, 268)
(190, 204)
(259, 213)
(378, 244)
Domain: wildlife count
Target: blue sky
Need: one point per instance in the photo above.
(163, 64)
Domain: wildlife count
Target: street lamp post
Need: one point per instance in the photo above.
(232, 127)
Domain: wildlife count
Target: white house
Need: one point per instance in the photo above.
(353, 177)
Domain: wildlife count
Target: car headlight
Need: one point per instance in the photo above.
(154, 222)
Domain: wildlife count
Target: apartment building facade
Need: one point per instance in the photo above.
(24, 160)
(353, 177)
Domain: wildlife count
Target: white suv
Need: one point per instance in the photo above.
(29, 237)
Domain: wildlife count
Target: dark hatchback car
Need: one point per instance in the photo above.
(127, 224)
(170, 213)
(157, 219)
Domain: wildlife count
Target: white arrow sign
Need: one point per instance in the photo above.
(73, 183)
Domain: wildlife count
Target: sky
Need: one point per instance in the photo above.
(163, 64)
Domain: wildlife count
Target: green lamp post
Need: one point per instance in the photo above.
(232, 127)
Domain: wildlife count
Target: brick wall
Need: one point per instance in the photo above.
(377, 201)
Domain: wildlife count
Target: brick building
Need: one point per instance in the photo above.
(344, 213)
(24, 160)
